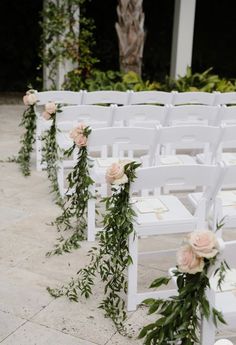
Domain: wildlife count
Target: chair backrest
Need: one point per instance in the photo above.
(196, 97)
(228, 139)
(228, 115)
(193, 114)
(225, 98)
(150, 97)
(139, 115)
(179, 175)
(105, 97)
(92, 115)
(207, 137)
(62, 97)
(122, 139)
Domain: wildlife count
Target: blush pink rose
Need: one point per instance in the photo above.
(50, 108)
(115, 174)
(204, 243)
(81, 140)
(25, 100)
(188, 261)
(46, 115)
(32, 99)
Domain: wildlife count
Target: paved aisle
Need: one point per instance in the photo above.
(28, 314)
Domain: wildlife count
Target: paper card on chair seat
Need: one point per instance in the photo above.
(229, 283)
(170, 160)
(150, 205)
(229, 158)
(228, 198)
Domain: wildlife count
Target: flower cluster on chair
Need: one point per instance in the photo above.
(50, 110)
(179, 317)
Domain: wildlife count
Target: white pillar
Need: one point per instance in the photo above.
(182, 38)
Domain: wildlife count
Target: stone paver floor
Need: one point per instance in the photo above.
(28, 314)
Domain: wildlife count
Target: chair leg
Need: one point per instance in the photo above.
(60, 179)
(91, 210)
(208, 329)
(133, 273)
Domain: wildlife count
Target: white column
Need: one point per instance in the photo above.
(182, 38)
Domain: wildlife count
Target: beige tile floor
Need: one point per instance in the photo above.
(28, 314)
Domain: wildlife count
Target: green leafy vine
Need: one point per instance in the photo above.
(111, 258)
(74, 208)
(50, 150)
(28, 139)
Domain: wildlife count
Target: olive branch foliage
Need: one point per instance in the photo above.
(51, 155)
(74, 207)
(27, 140)
(179, 317)
(110, 259)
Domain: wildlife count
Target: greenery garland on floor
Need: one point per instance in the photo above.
(50, 150)
(74, 208)
(28, 139)
(111, 258)
(179, 316)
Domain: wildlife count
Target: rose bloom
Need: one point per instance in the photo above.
(25, 100)
(81, 140)
(50, 108)
(122, 180)
(32, 99)
(188, 261)
(77, 131)
(46, 115)
(204, 243)
(114, 172)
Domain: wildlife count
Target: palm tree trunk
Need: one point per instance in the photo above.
(130, 31)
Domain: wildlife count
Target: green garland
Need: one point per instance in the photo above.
(111, 258)
(179, 317)
(50, 153)
(28, 139)
(74, 208)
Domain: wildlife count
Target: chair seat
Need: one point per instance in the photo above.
(175, 159)
(161, 215)
(226, 157)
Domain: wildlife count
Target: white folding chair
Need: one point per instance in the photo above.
(227, 115)
(58, 97)
(193, 115)
(225, 98)
(195, 97)
(223, 300)
(140, 115)
(166, 214)
(226, 148)
(225, 206)
(150, 97)
(170, 139)
(105, 97)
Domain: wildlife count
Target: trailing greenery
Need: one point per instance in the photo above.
(50, 156)
(67, 35)
(27, 140)
(74, 208)
(111, 258)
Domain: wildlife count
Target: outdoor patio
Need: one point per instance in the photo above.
(28, 314)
